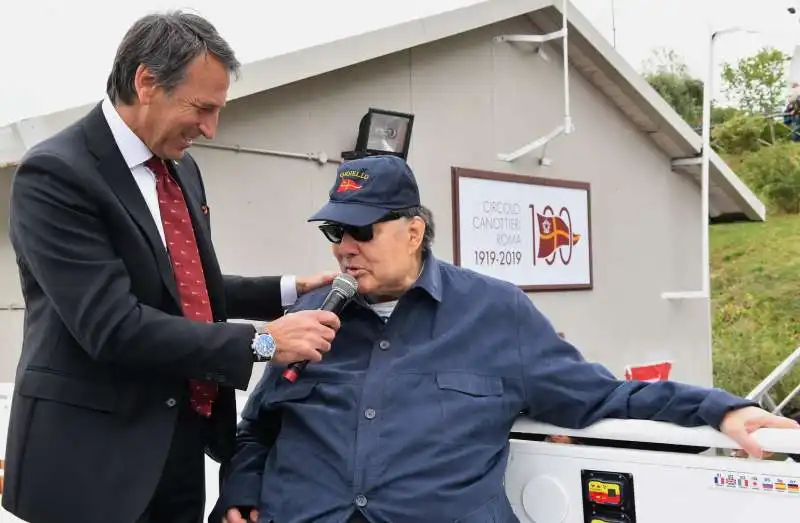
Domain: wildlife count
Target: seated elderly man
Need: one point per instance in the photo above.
(407, 418)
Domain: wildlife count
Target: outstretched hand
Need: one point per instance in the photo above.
(739, 425)
(305, 284)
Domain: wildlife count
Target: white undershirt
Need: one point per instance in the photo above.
(385, 309)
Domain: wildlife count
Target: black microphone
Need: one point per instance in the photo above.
(344, 287)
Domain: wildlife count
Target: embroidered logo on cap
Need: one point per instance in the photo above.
(348, 185)
(348, 180)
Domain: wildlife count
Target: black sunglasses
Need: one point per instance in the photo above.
(335, 232)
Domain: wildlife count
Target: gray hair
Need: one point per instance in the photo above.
(427, 217)
(166, 44)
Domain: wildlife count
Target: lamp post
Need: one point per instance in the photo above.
(705, 163)
(708, 92)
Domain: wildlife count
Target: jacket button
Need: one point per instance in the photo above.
(361, 500)
(171, 402)
(384, 344)
(369, 413)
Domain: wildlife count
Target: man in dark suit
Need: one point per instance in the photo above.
(128, 365)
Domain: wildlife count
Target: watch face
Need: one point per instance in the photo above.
(264, 346)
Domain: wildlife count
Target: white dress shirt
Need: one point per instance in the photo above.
(135, 153)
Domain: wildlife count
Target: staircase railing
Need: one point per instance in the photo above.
(763, 392)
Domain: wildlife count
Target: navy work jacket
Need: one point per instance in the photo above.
(408, 420)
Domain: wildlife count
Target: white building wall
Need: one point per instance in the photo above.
(472, 99)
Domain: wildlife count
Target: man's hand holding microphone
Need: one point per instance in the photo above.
(303, 335)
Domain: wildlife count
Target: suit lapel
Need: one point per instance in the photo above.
(112, 166)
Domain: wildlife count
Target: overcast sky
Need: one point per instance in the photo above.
(56, 54)
(684, 25)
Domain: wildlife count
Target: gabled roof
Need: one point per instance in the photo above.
(589, 52)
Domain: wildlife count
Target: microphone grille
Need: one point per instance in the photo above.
(345, 284)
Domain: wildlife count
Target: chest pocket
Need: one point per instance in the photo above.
(285, 403)
(470, 384)
(285, 394)
(466, 398)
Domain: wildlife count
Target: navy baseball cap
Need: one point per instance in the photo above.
(367, 189)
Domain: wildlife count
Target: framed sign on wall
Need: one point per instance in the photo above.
(532, 232)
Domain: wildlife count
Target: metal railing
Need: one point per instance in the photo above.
(762, 393)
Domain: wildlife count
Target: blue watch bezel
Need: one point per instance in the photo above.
(264, 345)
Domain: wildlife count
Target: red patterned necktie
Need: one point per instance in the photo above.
(186, 267)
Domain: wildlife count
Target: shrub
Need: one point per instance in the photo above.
(774, 174)
(747, 133)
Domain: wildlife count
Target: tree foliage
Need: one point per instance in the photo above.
(745, 132)
(669, 75)
(757, 84)
(684, 94)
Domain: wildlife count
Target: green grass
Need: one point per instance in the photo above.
(755, 285)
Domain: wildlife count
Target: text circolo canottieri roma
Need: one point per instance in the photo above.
(502, 220)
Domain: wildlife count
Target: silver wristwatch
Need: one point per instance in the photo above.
(263, 346)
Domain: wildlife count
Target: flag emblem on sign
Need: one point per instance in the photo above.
(555, 235)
